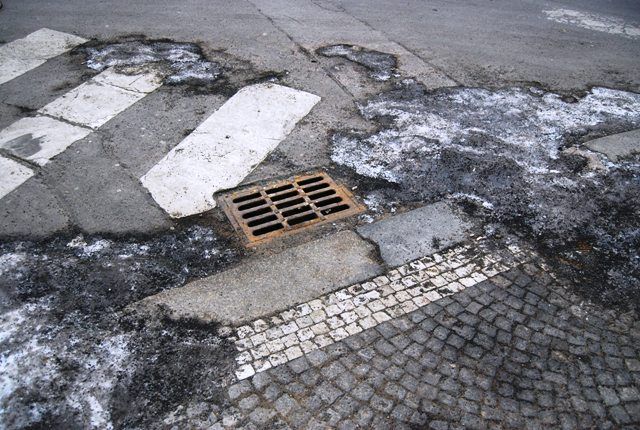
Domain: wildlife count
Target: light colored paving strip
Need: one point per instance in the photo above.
(12, 175)
(38, 139)
(263, 344)
(226, 147)
(103, 97)
(24, 54)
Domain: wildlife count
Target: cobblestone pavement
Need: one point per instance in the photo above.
(514, 350)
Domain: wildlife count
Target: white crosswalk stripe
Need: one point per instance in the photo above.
(40, 138)
(12, 175)
(226, 147)
(90, 105)
(22, 55)
(99, 100)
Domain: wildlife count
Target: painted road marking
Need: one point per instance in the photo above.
(12, 175)
(592, 21)
(226, 147)
(99, 100)
(22, 55)
(40, 138)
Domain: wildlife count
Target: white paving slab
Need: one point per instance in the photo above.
(40, 138)
(103, 97)
(12, 175)
(226, 147)
(24, 54)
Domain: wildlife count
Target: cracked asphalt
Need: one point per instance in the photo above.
(494, 276)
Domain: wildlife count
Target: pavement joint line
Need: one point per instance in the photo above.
(234, 140)
(270, 342)
(22, 55)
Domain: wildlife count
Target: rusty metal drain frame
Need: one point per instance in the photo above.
(279, 199)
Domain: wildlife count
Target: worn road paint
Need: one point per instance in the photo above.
(40, 138)
(592, 21)
(12, 175)
(99, 100)
(226, 147)
(22, 55)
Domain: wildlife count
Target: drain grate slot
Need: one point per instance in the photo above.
(301, 219)
(262, 213)
(252, 205)
(268, 229)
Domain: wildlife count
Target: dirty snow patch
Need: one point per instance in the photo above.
(592, 21)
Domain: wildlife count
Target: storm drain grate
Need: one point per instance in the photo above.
(263, 213)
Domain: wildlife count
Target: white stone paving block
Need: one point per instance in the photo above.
(40, 138)
(226, 147)
(12, 175)
(366, 314)
(24, 54)
(103, 97)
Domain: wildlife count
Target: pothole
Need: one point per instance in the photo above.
(381, 66)
(179, 62)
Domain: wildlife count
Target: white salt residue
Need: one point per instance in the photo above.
(91, 393)
(513, 123)
(10, 261)
(179, 62)
(87, 250)
(32, 360)
(464, 196)
(592, 21)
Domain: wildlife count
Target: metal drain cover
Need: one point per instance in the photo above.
(263, 213)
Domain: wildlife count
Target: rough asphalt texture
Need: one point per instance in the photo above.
(82, 240)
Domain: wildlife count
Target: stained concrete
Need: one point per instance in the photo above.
(617, 145)
(266, 285)
(416, 233)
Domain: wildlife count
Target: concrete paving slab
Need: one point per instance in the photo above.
(12, 175)
(31, 212)
(405, 237)
(97, 101)
(99, 194)
(226, 147)
(24, 54)
(617, 145)
(40, 138)
(270, 284)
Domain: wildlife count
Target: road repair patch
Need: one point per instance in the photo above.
(501, 152)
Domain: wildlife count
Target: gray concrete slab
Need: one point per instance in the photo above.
(617, 145)
(269, 284)
(31, 212)
(101, 196)
(405, 237)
